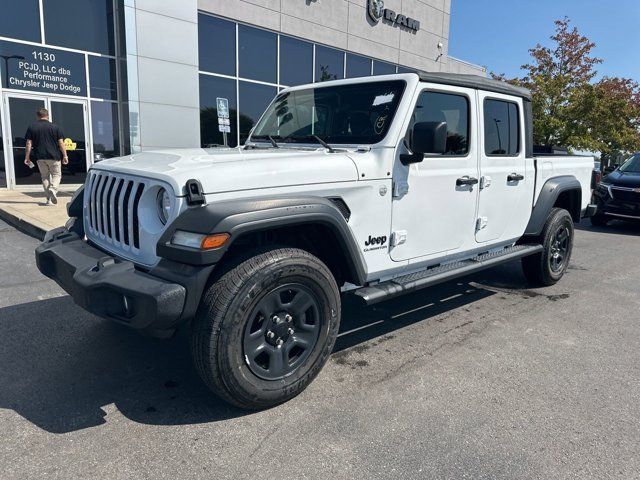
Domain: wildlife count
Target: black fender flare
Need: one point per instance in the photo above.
(241, 216)
(74, 207)
(549, 194)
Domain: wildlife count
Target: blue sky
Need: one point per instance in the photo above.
(498, 33)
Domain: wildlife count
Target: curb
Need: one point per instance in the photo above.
(22, 225)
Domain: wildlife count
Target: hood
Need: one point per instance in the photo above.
(231, 169)
(623, 179)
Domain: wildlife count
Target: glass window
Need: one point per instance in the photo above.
(210, 89)
(254, 99)
(216, 45)
(106, 134)
(80, 24)
(449, 108)
(296, 61)
(329, 64)
(258, 54)
(402, 69)
(383, 68)
(632, 165)
(501, 128)
(344, 114)
(102, 75)
(20, 19)
(358, 66)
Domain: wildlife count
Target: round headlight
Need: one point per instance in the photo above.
(164, 205)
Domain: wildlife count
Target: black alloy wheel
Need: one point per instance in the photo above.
(282, 331)
(560, 244)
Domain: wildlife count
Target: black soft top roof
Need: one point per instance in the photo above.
(474, 81)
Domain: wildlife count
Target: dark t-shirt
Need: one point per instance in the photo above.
(45, 135)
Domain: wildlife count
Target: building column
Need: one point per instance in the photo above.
(162, 73)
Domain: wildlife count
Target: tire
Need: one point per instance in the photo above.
(547, 267)
(269, 293)
(599, 220)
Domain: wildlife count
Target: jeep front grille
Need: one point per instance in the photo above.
(112, 208)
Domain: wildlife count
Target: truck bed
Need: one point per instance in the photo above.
(548, 166)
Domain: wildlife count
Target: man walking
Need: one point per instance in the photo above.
(45, 143)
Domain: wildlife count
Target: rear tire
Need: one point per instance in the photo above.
(547, 267)
(266, 327)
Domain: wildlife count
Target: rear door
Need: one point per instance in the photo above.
(506, 187)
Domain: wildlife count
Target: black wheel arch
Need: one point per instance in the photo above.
(281, 220)
(559, 192)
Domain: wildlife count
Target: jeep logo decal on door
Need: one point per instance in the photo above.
(375, 243)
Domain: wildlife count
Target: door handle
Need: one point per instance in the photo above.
(466, 181)
(515, 177)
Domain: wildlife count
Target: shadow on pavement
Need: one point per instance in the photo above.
(62, 368)
(617, 227)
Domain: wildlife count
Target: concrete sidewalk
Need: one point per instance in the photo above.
(25, 209)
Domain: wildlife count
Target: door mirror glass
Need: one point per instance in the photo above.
(429, 138)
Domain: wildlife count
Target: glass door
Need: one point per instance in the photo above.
(69, 115)
(71, 118)
(22, 113)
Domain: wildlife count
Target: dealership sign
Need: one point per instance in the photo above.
(376, 11)
(37, 69)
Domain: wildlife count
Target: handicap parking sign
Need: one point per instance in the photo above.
(223, 107)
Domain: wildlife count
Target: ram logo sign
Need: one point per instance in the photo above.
(376, 11)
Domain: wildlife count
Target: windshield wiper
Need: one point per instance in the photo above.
(273, 142)
(271, 139)
(292, 139)
(323, 143)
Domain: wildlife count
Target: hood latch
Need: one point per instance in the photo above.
(195, 195)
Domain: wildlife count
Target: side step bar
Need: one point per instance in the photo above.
(442, 273)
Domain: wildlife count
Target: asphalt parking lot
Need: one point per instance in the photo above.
(479, 378)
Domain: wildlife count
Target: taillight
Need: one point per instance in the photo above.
(598, 177)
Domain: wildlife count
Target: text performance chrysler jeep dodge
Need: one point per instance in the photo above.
(379, 185)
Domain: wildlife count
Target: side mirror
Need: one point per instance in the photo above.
(427, 138)
(609, 169)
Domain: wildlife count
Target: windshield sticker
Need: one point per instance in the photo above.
(379, 125)
(382, 99)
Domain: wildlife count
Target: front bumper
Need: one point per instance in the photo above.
(614, 203)
(108, 286)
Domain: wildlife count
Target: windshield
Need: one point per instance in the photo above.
(345, 114)
(632, 165)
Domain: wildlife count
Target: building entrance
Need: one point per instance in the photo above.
(70, 115)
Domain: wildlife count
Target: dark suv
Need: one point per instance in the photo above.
(618, 194)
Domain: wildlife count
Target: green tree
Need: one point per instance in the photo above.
(615, 118)
(325, 75)
(569, 108)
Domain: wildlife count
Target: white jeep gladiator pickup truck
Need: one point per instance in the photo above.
(380, 185)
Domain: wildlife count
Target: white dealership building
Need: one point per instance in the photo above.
(134, 75)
